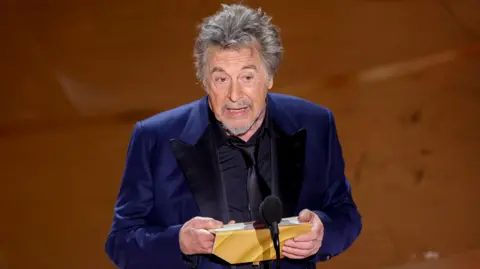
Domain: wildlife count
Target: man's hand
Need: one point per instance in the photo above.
(305, 245)
(194, 237)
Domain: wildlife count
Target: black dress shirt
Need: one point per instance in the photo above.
(234, 168)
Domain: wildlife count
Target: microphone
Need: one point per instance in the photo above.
(271, 212)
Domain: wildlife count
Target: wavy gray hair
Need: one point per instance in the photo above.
(236, 26)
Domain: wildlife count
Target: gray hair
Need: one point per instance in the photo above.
(237, 26)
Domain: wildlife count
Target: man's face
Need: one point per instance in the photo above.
(237, 85)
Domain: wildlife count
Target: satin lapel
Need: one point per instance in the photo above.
(200, 166)
(288, 153)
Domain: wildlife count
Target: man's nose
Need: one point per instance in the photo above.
(235, 92)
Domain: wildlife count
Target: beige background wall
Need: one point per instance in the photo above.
(402, 78)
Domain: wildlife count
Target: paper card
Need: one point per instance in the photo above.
(251, 225)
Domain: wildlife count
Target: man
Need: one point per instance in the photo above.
(213, 161)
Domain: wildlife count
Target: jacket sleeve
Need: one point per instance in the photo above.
(133, 242)
(339, 214)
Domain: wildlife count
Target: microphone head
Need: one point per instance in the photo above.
(271, 210)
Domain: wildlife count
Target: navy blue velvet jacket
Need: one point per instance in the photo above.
(170, 177)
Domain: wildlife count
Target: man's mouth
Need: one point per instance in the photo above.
(237, 110)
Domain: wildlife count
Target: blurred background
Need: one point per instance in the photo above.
(401, 77)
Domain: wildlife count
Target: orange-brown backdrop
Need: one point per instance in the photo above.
(402, 77)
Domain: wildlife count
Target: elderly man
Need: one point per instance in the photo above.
(213, 161)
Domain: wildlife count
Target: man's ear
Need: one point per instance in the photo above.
(205, 85)
(270, 83)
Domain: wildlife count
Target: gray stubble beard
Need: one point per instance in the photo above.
(243, 130)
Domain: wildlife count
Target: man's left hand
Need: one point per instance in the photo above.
(305, 245)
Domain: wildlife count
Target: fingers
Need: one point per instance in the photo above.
(204, 235)
(208, 248)
(306, 216)
(317, 226)
(300, 250)
(296, 253)
(308, 244)
(292, 256)
(213, 224)
(206, 241)
(195, 238)
(206, 223)
(291, 244)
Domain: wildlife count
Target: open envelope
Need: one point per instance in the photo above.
(251, 242)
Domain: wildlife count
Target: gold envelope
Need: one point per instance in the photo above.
(246, 242)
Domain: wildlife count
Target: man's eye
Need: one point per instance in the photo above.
(247, 78)
(221, 79)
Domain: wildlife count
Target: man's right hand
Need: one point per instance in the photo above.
(195, 237)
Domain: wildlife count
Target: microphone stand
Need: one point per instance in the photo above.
(271, 212)
(274, 233)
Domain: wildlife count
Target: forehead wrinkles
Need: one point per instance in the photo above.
(231, 56)
(232, 59)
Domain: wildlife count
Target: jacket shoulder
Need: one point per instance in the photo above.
(167, 123)
(300, 108)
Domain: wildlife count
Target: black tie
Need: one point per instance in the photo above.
(253, 186)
